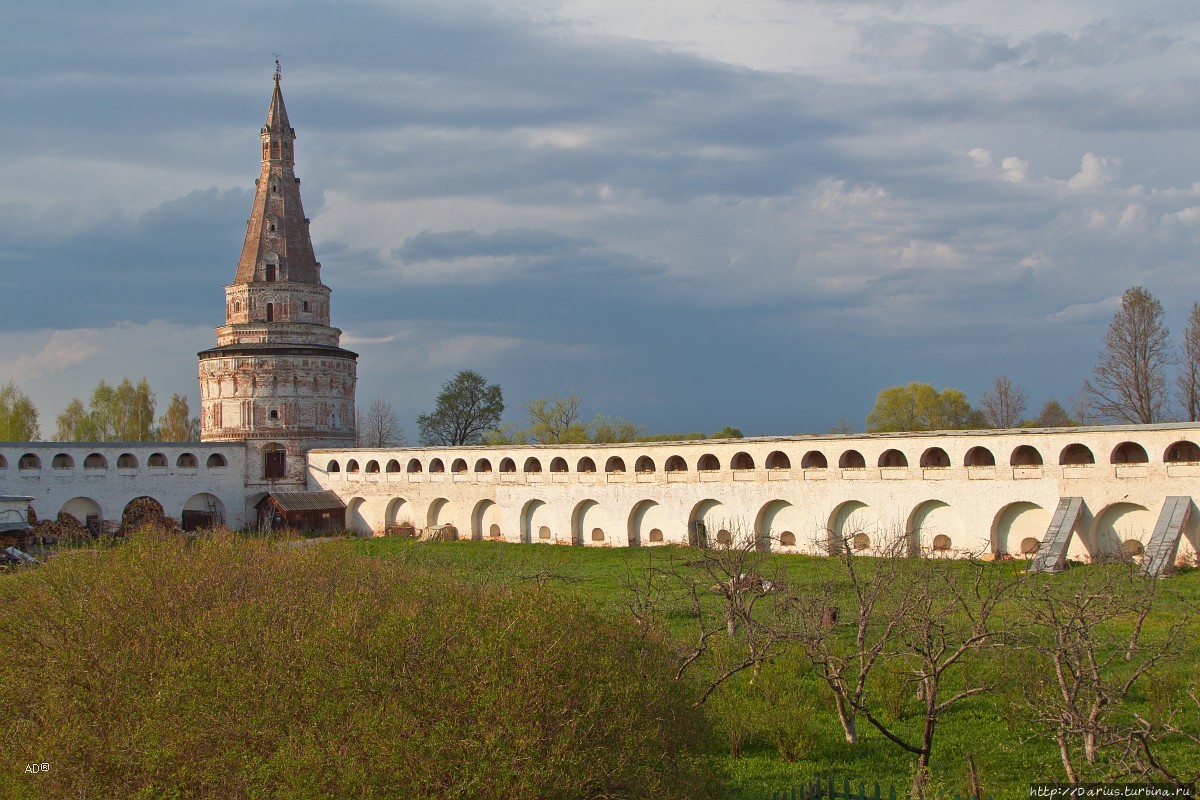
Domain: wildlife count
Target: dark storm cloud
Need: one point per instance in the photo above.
(171, 262)
(454, 245)
(623, 218)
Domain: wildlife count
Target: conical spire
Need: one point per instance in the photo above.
(277, 119)
(278, 247)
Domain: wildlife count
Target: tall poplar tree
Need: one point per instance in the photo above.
(178, 424)
(1129, 382)
(1188, 379)
(18, 416)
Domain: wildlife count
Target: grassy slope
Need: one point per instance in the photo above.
(1008, 751)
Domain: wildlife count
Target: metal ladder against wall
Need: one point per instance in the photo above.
(1052, 553)
(1164, 542)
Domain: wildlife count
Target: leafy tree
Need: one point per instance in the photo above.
(379, 427)
(611, 430)
(18, 416)
(728, 432)
(1003, 405)
(671, 437)
(1052, 415)
(1188, 379)
(178, 424)
(505, 435)
(74, 424)
(1129, 382)
(920, 407)
(122, 413)
(555, 420)
(466, 407)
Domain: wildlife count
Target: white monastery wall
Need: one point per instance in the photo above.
(100, 479)
(278, 385)
(986, 491)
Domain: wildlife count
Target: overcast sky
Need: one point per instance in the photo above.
(692, 213)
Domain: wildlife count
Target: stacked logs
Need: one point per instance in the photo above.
(65, 529)
(146, 512)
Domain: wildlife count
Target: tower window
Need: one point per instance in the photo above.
(274, 414)
(270, 312)
(274, 461)
(270, 273)
(306, 305)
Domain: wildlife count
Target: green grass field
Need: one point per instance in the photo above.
(1009, 751)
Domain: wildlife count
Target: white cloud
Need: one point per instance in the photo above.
(1189, 216)
(61, 351)
(1015, 169)
(1087, 312)
(981, 157)
(1094, 172)
(53, 366)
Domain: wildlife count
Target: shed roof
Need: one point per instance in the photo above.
(307, 501)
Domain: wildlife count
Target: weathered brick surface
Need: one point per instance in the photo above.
(278, 379)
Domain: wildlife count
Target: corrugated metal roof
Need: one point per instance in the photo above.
(307, 501)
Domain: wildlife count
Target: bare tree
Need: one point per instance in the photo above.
(718, 586)
(1129, 382)
(1089, 637)
(811, 617)
(945, 618)
(731, 569)
(1188, 379)
(1004, 404)
(379, 427)
(1146, 742)
(922, 619)
(925, 619)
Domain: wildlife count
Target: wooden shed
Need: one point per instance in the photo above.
(302, 511)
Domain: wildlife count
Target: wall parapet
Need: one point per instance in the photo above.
(956, 491)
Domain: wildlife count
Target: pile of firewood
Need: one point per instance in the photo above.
(145, 512)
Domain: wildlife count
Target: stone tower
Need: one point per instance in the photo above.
(277, 378)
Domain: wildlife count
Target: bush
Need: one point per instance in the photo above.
(225, 667)
(788, 703)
